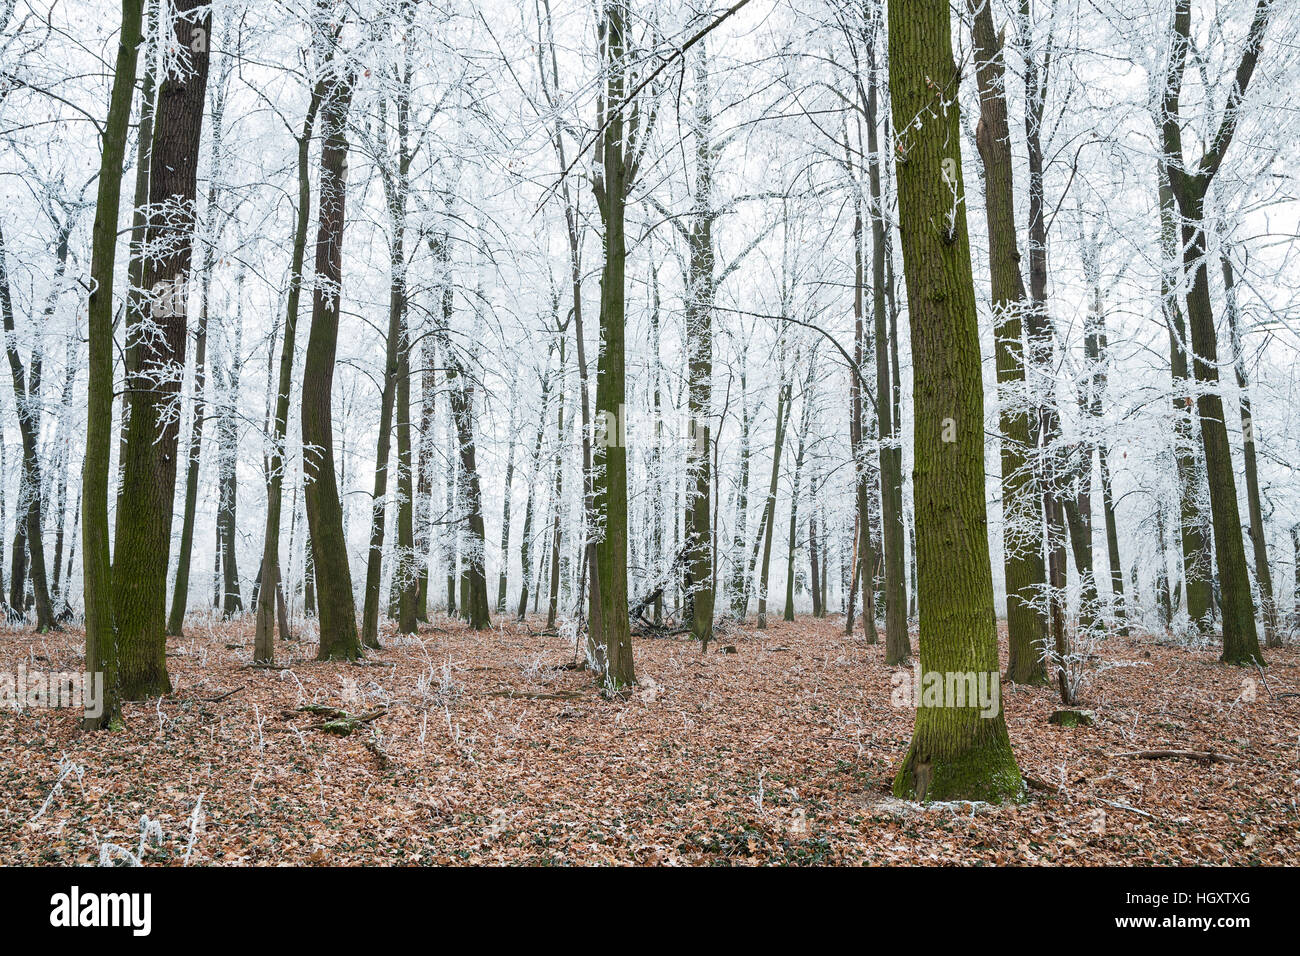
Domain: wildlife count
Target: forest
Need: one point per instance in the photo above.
(583, 432)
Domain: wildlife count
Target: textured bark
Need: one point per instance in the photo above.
(955, 753)
(97, 573)
(143, 537)
(1026, 576)
(335, 604)
(180, 586)
(699, 364)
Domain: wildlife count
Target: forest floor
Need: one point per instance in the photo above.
(487, 751)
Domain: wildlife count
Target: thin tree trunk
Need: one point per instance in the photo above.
(1258, 539)
(263, 645)
(336, 607)
(769, 510)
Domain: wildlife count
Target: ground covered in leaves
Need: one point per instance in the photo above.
(483, 748)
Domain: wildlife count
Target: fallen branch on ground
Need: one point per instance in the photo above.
(1205, 756)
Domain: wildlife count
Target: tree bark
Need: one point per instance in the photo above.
(1022, 522)
(955, 753)
(144, 517)
(97, 571)
(335, 604)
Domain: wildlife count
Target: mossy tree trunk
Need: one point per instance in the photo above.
(955, 753)
(143, 536)
(336, 607)
(97, 570)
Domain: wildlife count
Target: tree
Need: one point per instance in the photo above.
(97, 570)
(263, 645)
(1189, 182)
(335, 605)
(955, 752)
(395, 174)
(1022, 524)
(150, 433)
(1188, 465)
(622, 141)
(1263, 576)
(27, 399)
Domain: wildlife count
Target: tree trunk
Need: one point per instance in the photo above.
(609, 565)
(769, 510)
(898, 644)
(336, 607)
(503, 578)
(1240, 641)
(97, 572)
(263, 645)
(1022, 523)
(27, 399)
(956, 753)
(1258, 539)
(144, 518)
